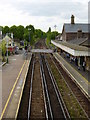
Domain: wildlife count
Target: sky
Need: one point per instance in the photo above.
(42, 13)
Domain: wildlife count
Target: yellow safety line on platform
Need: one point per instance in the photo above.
(21, 93)
(11, 92)
(77, 71)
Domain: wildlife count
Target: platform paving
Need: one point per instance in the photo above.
(85, 74)
(10, 73)
(13, 107)
(80, 80)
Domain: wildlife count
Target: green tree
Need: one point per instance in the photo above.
(54, 34)
(13, 29)
(1, 27)
(49, 30)
(38, 33)
(20, 32)
(3, 47)
(50, 36)
(26, 35)
(5, 30)
(29, 31)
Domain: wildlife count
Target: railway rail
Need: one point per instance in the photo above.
(35, 108)
(23, 109)
(81, 98)
(36, 102)
(55, 107)
(41, 98)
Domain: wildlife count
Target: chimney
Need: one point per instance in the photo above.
(72, 19)
(79, 33)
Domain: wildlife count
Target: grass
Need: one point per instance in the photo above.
(72, 105)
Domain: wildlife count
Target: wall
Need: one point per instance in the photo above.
(63, 35)
(71, 36)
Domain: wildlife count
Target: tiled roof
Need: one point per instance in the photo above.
(75, 27)
(7, 38)
(86, 43)
(73, 46)
(78, 41)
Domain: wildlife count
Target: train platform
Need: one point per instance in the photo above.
(85, 74)
(13, 80)
(78, 78)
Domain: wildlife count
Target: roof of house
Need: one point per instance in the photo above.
(7, 38)
(69, 28)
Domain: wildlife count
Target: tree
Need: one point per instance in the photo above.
(13, 29)
(31, 32)
(51, 36)
(5, 30)
(1, 27)
(49, 30)
(38, 33)
(26, 35)
(3, 47)
(54, 34)
(31, 27)
(20, 32)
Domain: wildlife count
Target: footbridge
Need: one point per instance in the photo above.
(42, 51)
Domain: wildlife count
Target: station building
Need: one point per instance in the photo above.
(75, 42)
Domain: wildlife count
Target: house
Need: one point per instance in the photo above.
(75, 41)
(11, 45)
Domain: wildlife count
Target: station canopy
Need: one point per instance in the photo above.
(73, 49)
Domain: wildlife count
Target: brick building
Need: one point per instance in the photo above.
(74, 30)
(75, 41)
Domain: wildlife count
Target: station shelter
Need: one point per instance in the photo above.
(74, 42)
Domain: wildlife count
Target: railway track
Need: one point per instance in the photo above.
(41, 98)
(56, 109)
(32, 104)
(23, 109)
(81, 98)
(36, 102)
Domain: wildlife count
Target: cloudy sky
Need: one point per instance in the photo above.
(42, 13)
